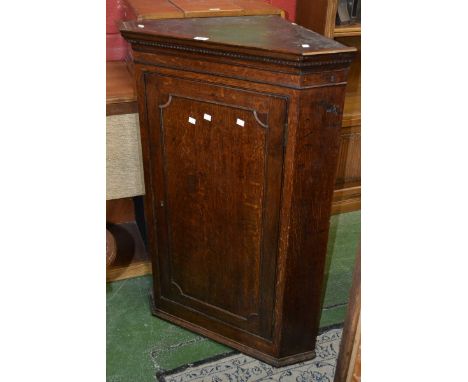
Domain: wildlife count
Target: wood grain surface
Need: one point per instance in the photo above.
(155, 9)
(111, 248)
(317, 15)
(207, 8)
(269, 36)
(120, 89)
(240, 146)
(178, 9)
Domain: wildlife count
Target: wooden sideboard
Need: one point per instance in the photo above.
(240, 122)
(178, 9)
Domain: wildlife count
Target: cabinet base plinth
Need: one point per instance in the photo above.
(276, 362)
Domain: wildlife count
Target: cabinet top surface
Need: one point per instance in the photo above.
(265, 35)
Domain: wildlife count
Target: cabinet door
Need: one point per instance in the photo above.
(216, 160)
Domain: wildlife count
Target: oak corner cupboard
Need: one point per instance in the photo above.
(240, 120)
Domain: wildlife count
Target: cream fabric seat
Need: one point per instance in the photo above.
(124, 166)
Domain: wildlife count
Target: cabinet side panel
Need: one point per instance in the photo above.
(315, 160)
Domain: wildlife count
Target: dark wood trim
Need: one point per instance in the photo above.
(276, 362)
(317, 15)
(121, 108)
(120, 211)
(120, 89)
(146, 34)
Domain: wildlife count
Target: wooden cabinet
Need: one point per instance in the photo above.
(240, 122)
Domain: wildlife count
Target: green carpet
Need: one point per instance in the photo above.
(139, 344)
(343, 240)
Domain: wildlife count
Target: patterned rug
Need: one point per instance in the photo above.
(237, 367)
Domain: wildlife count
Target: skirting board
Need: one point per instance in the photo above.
(137, 269)
(346, 200)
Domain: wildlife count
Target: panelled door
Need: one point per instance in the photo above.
(216, 163)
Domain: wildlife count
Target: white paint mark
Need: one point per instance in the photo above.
(201, 38)
(215, 9)
(193, 121)
(207, 117)
(240, 122)
(305, 45)
(141, 26)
